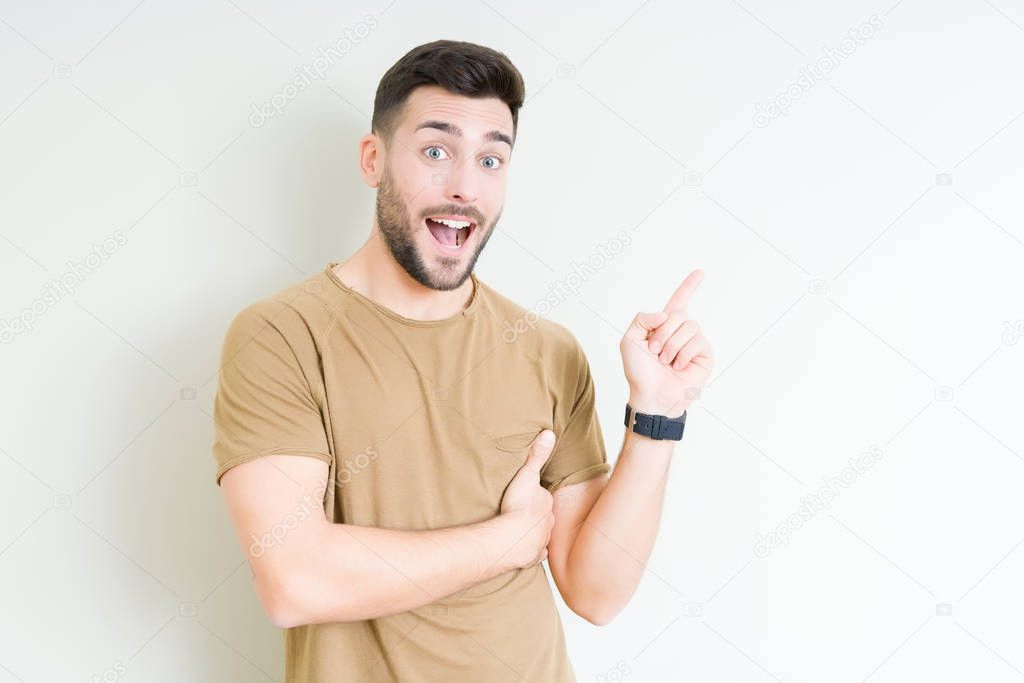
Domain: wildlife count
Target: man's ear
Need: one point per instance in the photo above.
(371, 163)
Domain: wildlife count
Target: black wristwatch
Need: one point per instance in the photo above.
(655, 426)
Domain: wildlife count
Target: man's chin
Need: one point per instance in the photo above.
(443, 279)
(447, 272)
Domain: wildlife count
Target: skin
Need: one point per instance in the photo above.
(605, 528)
(596, 535)
(400, 264)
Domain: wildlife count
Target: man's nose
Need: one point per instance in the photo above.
(460, 186)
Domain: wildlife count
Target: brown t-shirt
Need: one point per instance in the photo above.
(423, 425)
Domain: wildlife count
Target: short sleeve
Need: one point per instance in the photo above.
(579, 452)
(263, 404)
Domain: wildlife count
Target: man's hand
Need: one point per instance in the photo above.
(528, 508)
(666, 358)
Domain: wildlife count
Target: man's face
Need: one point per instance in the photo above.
(448, 160)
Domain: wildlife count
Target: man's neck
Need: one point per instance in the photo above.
(375, 274)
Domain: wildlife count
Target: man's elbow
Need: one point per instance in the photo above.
(598, 612)
(274, 605)
(598, 619)
(595, 603)
(282, 620)
(280, 600)
(297, 599)
(283, 615)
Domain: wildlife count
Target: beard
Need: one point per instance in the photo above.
(400, 236)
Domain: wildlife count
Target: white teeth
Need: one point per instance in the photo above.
(458, 225)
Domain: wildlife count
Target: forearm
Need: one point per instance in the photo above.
(615, 541)
(352, 573)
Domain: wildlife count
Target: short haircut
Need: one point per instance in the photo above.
(459, 67)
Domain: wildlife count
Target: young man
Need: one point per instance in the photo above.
(447, 440)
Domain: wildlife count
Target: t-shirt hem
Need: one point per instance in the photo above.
(326, 457)
(580, 476)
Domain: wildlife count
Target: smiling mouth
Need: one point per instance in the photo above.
(450, 232)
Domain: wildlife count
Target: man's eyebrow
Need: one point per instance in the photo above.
(452, 129)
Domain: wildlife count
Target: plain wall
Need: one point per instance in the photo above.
(862, 251)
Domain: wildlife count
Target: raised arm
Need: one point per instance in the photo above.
(605, 528)
(308, 570)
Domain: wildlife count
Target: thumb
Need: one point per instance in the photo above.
(540, 451)
(643, 323)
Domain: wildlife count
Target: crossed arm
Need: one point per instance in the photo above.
(305, 568)
(604, 530)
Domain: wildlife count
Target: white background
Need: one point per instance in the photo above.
(863, 288)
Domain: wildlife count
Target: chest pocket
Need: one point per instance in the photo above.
(510, 453)
(516, 443)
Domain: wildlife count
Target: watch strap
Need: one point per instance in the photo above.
(660, 427)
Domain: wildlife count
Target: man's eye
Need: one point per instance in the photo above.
(434, 148)
(494, 165)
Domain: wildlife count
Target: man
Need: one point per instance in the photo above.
(441, 458)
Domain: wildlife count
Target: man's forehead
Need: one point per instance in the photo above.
(471, 115)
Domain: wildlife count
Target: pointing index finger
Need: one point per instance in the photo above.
(680, 299)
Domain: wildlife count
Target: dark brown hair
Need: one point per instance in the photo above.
(459, 67)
